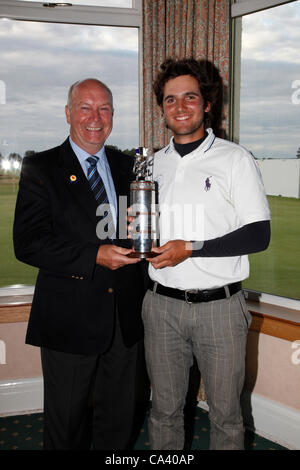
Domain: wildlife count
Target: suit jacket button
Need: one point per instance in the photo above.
(110, 290)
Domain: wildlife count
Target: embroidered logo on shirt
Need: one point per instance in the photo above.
(207, 184)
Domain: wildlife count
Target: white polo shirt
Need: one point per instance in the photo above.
(208, 193)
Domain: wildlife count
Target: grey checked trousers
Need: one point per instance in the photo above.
(216, 334)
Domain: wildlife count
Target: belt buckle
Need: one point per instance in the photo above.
(190, 291)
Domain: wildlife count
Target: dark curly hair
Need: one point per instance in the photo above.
(203, 71)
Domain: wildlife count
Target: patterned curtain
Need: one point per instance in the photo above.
(181, 28)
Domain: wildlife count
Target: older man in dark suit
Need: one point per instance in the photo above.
(85, 312)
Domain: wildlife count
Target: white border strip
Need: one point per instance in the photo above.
(76, 14)
(244, 7)
(272, 420)
(269, 419)
(16, 289)
(276, 300)
(21, 396)
(280, 301)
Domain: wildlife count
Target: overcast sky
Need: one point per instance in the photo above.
(270, 107)
(39, 61)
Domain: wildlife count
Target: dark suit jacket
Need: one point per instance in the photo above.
(55, 230)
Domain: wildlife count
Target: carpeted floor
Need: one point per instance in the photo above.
(25, 432)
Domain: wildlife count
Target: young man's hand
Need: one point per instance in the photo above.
(171, 254)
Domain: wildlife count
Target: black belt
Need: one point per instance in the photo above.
(195, 295)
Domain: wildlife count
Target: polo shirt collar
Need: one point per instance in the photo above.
(206, 144)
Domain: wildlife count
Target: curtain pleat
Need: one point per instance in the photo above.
(181, 28)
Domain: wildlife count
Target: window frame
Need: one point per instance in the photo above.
(245, 7)
(240, 8)
(84, 15)
(75, 14)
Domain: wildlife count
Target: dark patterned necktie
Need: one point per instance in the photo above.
(98, 188)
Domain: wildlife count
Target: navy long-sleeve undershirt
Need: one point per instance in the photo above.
(250, 238)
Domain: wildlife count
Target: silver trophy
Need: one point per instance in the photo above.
(143, 207)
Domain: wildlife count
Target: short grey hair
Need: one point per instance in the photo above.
(79, 82)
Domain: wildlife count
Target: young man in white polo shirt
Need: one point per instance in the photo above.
(213, 212)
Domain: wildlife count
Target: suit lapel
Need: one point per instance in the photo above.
(77, 183)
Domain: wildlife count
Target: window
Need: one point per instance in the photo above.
(39, 61)
(267, 122)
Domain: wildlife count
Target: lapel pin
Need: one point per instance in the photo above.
(73, 178)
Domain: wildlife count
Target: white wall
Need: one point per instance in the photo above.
(281, 176)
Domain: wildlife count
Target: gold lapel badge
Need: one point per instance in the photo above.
(73, 178)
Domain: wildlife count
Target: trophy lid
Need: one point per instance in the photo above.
(142, 164)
